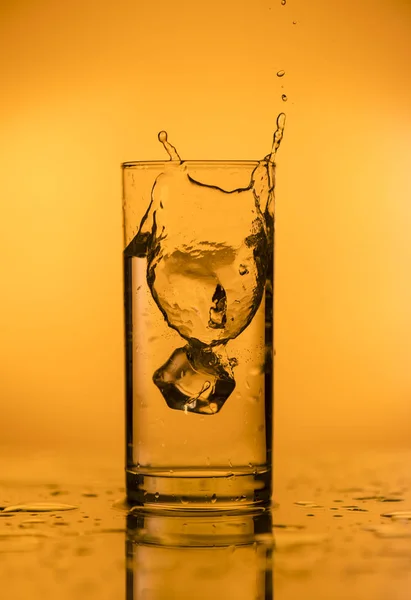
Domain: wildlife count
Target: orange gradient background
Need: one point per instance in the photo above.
(87, 85)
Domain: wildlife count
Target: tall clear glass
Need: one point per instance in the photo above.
(198, 282)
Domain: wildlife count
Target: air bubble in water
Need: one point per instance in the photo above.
(156, 495)
(213, 498)
(284, 98)
(280, 73)
(283, 2)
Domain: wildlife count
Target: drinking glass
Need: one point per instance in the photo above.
(198, 282)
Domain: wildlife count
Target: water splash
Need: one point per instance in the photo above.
(171, 150)
(216, 274)
(278, 136)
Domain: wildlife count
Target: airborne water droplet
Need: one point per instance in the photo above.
(280, 73)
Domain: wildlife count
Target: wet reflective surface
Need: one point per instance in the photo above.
(341, 528)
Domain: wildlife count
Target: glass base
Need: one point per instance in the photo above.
(191, 491)
(207, 530)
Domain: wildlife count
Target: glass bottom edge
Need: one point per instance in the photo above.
(209, 492)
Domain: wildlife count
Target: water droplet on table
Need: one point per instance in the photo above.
(399, 514)
(39, 507)
(288, 540)
(390, 531)
(58, 493)
(384, 499)
(31, 523)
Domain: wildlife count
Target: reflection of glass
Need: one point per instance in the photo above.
(201, 558)
(199, 269)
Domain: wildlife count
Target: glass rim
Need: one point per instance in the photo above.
(199, 163)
